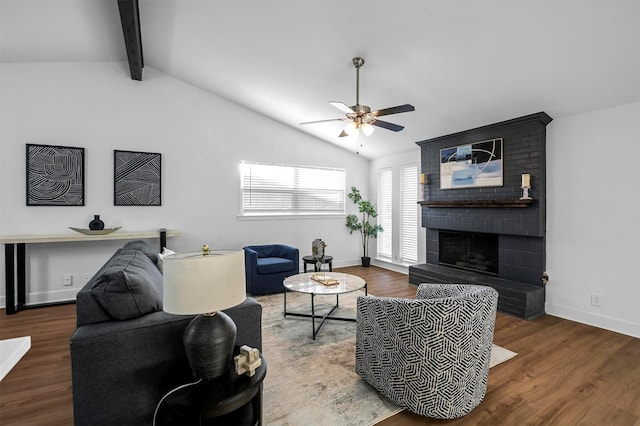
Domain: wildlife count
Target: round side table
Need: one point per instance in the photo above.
(229, 399)
(310, 260)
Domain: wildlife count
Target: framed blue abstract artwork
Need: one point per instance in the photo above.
(472, 165)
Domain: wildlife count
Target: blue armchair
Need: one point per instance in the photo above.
(267, 266)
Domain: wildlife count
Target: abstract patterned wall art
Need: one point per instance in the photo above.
(472, 165)
(55, 175)
(137, 178)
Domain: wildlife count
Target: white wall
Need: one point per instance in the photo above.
(202, 139)
(593, 218)
(396, 162)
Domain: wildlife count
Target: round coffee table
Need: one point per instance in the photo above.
(303, 283)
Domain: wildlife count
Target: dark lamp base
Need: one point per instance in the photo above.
(208, 342)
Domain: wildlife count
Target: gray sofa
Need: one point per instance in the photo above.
(126, 352)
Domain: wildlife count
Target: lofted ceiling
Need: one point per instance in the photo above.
(462, 64)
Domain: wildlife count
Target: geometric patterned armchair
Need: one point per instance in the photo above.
(429, 355)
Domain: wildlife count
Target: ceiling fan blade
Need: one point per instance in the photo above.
(342, 107)
(324, 121)
(394, 110)
(387, 125)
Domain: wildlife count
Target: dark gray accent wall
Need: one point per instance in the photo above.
(520, 230)
(524, 141)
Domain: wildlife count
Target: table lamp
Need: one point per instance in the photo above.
(204, 283)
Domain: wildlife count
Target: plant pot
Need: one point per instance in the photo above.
(366, 261)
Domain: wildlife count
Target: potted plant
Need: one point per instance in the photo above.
(365, 227)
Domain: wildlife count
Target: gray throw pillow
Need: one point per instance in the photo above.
(130, 287)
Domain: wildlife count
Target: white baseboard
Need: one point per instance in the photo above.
(600, 321)
(382, 264)
(57, 296)
(403, 269)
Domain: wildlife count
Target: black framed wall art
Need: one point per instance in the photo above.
(55, 175)
(137, 178)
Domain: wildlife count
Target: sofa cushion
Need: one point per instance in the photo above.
(273, 265)
(130, 287)
(144, 247)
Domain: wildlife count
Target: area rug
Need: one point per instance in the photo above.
(314, 381)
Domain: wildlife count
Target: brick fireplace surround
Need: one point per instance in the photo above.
(519, 225)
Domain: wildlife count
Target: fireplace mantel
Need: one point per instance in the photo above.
(501, 203)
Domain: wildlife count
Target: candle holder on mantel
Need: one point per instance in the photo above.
(526, 186)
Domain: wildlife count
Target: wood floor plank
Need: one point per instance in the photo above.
(566, 373)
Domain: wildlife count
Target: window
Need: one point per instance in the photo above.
(409, 214)
(277, 189)
(385, 213)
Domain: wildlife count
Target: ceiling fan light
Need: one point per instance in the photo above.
(367, 129)
(351, 129)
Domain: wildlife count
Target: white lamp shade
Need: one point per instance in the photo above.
(197, 284)
(351, 129)
(367, 129)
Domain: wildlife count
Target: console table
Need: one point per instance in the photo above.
(15, 258)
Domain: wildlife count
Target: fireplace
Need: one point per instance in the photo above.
(489, 235)
(471, 251)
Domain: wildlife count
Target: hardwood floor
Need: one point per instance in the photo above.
(565, 373)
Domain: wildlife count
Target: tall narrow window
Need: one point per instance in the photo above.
(385, 213)
(409, 214)
(277, 189)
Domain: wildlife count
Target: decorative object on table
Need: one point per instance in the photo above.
(137, 178)
(105, 231)
(195, 283)
(55, 175)
(247, 361)
(424, 181)
(205, 249)
(324, 279)
(472, 165)
(526, 186)
(317, 251)
(96, 224)
(365, 227)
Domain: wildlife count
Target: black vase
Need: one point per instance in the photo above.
(96, 224)
(366, 261)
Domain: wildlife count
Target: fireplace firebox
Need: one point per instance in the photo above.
(471, 251)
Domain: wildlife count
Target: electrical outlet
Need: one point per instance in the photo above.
(68, 279)
(596, 300)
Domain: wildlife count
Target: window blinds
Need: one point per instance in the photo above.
(409, 214)
(269, 189)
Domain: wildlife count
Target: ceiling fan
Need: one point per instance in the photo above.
(361, 117)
